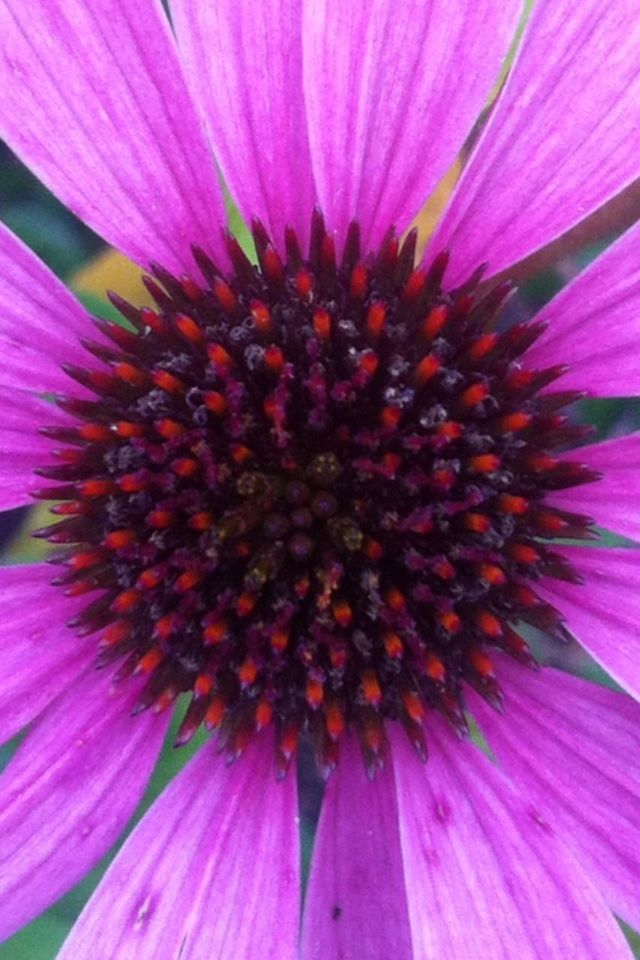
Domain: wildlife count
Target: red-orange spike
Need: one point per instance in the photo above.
(488, 623)
(203, 520)
(245, 604)
(187, 581)
(219, 356)
(95, 432)
(314, 693)
(203, 685)
(96, 488)
(474, 395)
(248, 672)
(150, 660)
(185, 466)
(216, 402)
(434, 667)
(393, 645)
(261, 316)
(359, 282)
(414, 285)
(168, 428)
(189, 329)
(515, 421)
(264, 714)
(390, 416)
(482, 346)
(304, 284)
(413, 705)
(167, 382)
(434, 322)
(130, 374)
(225, 296)
(476, 522)
(371, 690)
(342, 612)
(272, 264)
(334, 719)
(215, 632)
(427, 368)
(127, 430)
(150, 578)
(215, 713)
(274, 359)
(375, 320)
(322, 324)
(160, 519)
(481, 663)
(523, 553)
(125, 601)
(394, 599)
(492, 573)
(508, 503)
(484, 463)
(120, 539)
(450, 621)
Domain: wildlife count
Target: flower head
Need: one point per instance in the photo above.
(322, 493)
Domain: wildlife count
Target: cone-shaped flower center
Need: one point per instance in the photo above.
(313, 493)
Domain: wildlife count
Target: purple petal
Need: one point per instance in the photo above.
(391, 96)
(250, 95)
(485, 875)
(594, 325)
(40, 321)
(22, 448)
(604, 613)
(355, 903)
(574, 746)
(210, 871)
(614, 500)
(69, 791)
(118, 141)
(39, 656)
(561, 141)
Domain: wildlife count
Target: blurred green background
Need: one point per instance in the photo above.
(67, 246)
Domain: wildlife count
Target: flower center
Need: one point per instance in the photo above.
(313, 494)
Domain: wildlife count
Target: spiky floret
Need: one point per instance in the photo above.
(313, 493)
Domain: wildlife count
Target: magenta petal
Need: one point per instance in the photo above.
(250, 95)
(561, 141)
(485, 875)
(210, 872)
(69, 791)
(95, 103)
(594, 325)
(40, 321)
(391, 96)
(355, 903)
(574, 746)
(39, 656)
(614, 500)
(604, 613)
(22, 448)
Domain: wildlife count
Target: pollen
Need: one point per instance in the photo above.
(312, 493)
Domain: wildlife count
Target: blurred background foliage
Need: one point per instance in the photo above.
(79, 258)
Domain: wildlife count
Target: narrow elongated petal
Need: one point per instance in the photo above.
(391, 99)
(594, 324)
(575, 746)
(69, 791)
(93, 100)
(40, 321)
(604, 613)
(485, 875)
(210, 871)
(355, 903)
(244, 63)
(614, 500)
(561, 141)
(39, 655)
(22, 448)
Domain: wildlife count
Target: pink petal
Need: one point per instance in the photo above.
(250, 95)
(604, 613)
(561, 141)
(391, 96)
(22, 448)
(39, 656)
(594, 325)
(210, 871)
(118, 141)
(485, 875)
(574, 746)
(355, 902)
(40, 321)
(69, 791)
(614, 500)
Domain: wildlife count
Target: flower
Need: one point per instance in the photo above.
(321, 495)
